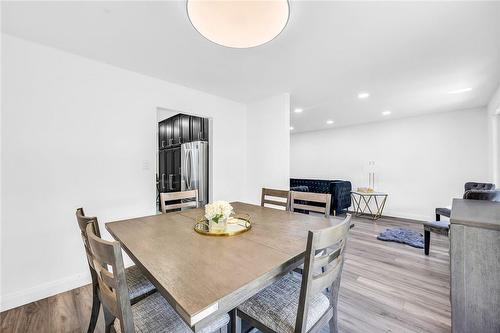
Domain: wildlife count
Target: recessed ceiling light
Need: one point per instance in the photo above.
(363, 95)
(239, 24)
(329, 122)
(298, 110)
(291, 128)
(459, 91)
(386, 113)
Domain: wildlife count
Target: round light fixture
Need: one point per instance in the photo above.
(291, 128)
(298, 110)
(238, 24)
(329, 122)
(363, 95)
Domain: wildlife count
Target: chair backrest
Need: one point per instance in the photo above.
(178, 196)
(478, 186)
(307, 198)
(325, 254)
(83, 222)
(113, 289)
(268, 195)
(488, 195)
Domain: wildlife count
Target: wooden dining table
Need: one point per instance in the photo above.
(204, 276)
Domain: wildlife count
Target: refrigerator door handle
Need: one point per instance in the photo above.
(170, 181)
(188, 171)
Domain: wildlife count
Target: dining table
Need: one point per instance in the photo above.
(203, 276)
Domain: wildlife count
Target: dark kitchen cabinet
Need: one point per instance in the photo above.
(185, 132)
(176, 130)
(165, 133)
(162, 170)
(171, 177)
(199, 129)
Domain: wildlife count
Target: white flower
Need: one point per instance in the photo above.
(217, 210)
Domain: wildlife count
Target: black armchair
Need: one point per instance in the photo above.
(478, 191)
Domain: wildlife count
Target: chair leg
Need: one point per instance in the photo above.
(332, 323)
(438, 217)
(96, 305)
(427, 241)
(235, 322)
(108, 320)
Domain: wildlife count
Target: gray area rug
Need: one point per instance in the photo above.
(404, 236)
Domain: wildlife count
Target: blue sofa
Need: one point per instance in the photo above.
(339, 189)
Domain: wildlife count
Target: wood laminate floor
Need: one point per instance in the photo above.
(386, 287)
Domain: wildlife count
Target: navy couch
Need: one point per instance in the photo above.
(339, 189)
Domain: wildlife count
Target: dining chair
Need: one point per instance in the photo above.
(152, 314)
(183, 199)
(138, 285)
(297, 303)
(309, 202)
(269, 197)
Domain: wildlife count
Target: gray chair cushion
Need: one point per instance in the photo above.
(276, 306)
(138, 284)
(154, 314)
(438, 224)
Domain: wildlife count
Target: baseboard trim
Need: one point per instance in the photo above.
(418, 219)
(22, 297)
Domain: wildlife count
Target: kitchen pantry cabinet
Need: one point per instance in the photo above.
(169, 167)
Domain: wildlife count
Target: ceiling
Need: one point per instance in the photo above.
(407, 55)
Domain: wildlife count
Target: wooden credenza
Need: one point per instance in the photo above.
(475, 266)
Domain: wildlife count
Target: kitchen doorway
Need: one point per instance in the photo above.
(182, 154)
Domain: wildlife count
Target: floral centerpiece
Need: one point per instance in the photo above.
(217, 214)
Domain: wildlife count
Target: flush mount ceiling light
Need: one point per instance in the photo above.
(291, 128)
(363, 95)
(459, 91)
(386, 113)
(298, 110)
(238, 23)
(329, 122)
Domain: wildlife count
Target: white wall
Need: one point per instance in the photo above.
(268, 139)
(494, 136)
(423, 162)
(76, 132)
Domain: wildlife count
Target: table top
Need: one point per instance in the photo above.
(203, 275)
(476, 213)
(370, 193)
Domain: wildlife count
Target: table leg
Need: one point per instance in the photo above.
(367, 205)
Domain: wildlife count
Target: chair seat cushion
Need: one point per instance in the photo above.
(154, 314)
(276, 306)
(438, 224)
(138, 284)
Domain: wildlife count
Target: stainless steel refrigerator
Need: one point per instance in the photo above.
(194, 169)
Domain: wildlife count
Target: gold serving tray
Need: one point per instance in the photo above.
(235, 225)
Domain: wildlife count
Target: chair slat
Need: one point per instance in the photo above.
(182, 205)
(322, 261)
(331, 236)
(276, 203)
(325, 280)
(310, 208)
